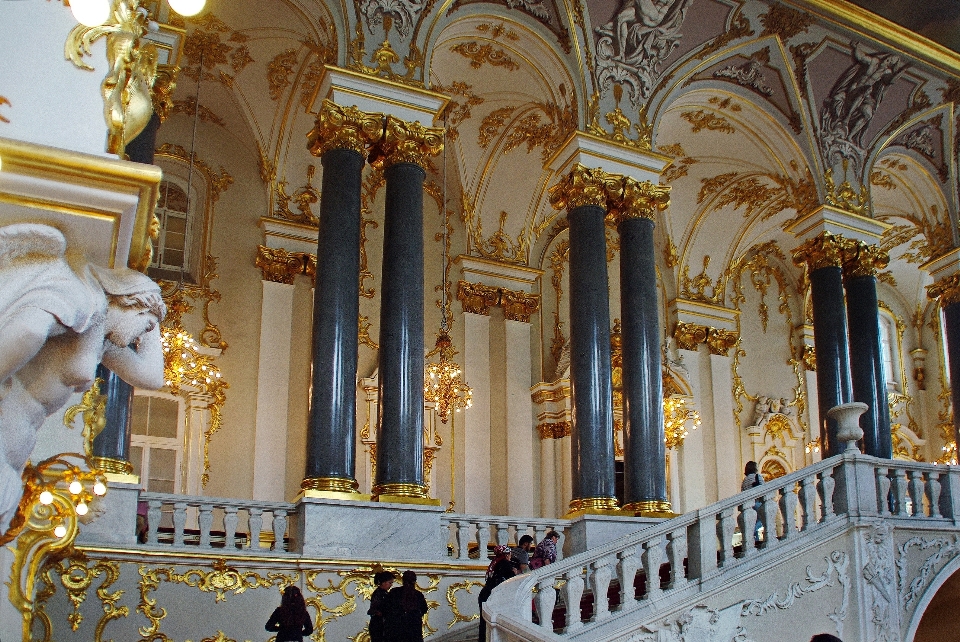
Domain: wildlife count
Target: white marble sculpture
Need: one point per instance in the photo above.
(56, 325)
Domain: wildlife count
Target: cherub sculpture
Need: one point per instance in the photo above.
(56, 325)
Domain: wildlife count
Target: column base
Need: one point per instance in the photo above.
(656, 508)
(593, 506)
(330, 484)
(403, 493)
(112, 465)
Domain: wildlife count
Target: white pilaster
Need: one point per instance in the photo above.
(273, 376)
(476, 421)
(691, 462)
(726, 440)
(520, 432)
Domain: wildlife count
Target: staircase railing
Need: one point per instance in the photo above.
(466, 534)
(807, 501)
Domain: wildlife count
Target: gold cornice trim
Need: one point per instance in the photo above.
(536, 272)
(606, 141)
(368, 79)
(892, 35)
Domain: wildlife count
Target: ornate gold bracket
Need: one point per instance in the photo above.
(478, 298)
(719, 342)
(281, 266)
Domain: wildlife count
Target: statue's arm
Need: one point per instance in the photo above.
(140, 366)
(22, 337)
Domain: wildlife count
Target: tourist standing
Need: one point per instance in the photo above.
(406, 608)
(290, 621)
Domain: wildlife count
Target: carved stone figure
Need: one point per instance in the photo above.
(853, 100)
(56, 325)
(761, 410)
(639, 38)
(880, 577)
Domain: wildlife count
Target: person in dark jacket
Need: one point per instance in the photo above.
(406, 607)
(290, 621)
(378, 606)
(502, 572)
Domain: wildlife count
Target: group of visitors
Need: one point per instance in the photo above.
(395, 615)
(508, 562)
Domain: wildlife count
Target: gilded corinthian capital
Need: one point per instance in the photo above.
(584, 186)
(339, 127)
(639, 199)
(823, 250)
(405, 142)
(946, 289)
(280, 266)
(863, 259)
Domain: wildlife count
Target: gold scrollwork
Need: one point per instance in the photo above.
(702, 119)
(281, 266)
(554, 429)
(4, 101)
(844, 197)
(466, 585)
(694, 288)
(305, 197)
(405, 142)
(500, 247)
(77, 576)
(639, 199)
(542, 396)
(822, 251)
(620, 122)
(93, 405)
(863, 259)
(518, 305)
(558, 258)
(217, 182)
(339, 127)
(363, 334)
(478, 54)
(807, 355)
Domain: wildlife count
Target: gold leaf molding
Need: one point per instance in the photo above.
(281, 266)
(690, 335)
(478, 298)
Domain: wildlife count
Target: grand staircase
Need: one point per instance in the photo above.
(855, 546)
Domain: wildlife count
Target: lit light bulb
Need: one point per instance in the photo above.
(76, 487)
(60, 530)
(46, 498)
(99, 489)
(82, 509)
(90, 13)
(187, 7)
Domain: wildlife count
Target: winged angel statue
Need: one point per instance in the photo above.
(635, 43)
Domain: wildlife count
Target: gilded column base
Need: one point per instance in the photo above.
(593, 506)
(111, 465)
(332, 488)
(657, 508)
(403, 494)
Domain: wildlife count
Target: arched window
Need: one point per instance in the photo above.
(890, 351)
(172, 251)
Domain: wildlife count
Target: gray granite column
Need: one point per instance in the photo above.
(403, 152)
(341, 138)
(860, 266)
(584, 193)
(823, 256)
(111, 447)
(645, 464)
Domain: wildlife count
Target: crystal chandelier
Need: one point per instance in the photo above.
(678, 419)
(442, 384)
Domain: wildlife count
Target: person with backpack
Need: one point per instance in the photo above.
(406, 607)
(290, 621)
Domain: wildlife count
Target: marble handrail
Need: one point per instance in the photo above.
(464, 530)
(207, 516)
(796, 506)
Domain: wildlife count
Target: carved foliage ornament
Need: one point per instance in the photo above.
(823, 250)
(405, 142)
(863, 259)
(689, 335)
(946, 289)
(339, 127)
(478, 298)
(622, 196)
(280, 266)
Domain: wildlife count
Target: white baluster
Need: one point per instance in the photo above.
(206, 523)
(230, 520)
(154, 513)
(626, 576)
(546, 599)
(503, 534)
(916, 492)
(483, 538)
(933, 493)
(808, 502)
(900, 492)
(572, 593)
(883, 491)
(788, 508)
(769, 510)
(825, 489)
(255, 522)
(652, 558)
(748, 523)
(463, 539)
(279, 530)
(725, 527)
(179, 522)
(600, 584)
(677, 552)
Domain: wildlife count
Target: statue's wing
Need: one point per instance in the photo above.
(80, 42)
(30, 240)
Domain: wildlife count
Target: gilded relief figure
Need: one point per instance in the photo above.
(852, 103)
(56, 324)
(633, 45)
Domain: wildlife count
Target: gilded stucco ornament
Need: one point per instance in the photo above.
(947, 290)
(280, 266)
(339, 127)
(554, 429)
(639, 199)
(477, 298)
(406, 142)
(4, 101)
(822, 251)
(844, 197)
(583, 186)
(690, 335)
(92, 408)
(163, 87)
(126, 89)
(863, 259)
